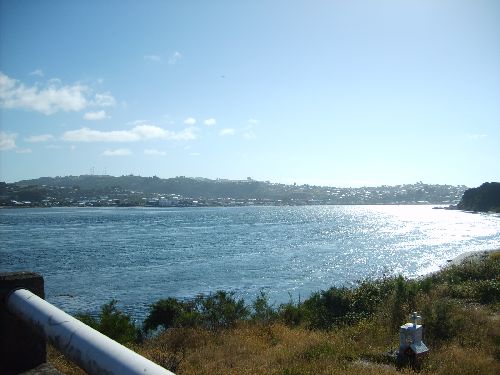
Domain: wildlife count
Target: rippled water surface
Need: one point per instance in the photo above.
(139, 255)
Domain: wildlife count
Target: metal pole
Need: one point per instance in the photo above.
(95, 353)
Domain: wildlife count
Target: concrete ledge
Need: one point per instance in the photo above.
(45, 369)
(20, 348)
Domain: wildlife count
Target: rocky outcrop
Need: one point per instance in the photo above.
(481, 199)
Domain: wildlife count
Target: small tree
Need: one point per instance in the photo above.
(221, 310)
(112, 323)
(165, 313)
(215, 311)
(262, 311)
(328, 308)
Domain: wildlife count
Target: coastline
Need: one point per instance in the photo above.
(471, 256)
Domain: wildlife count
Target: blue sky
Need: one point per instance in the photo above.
(339, 93)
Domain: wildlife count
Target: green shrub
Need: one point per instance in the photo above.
(488, 291)
(168, 313)
(442, 321)
(214, 311)
(112, 323)
(367, 297)
(221, 310)
(328, 308)
(291, 314)
(262, 312)
(487, 268)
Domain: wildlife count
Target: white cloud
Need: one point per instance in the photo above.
(210, 122)
(253, 121)
(51, 98)
(7, 141)
(117, 152)
(154, 152)
(137, 133)
(48, 100)
(37, 72)
(95, 116)
(39, 138)
(194, 154)
(227, 131)
(104, 100)
(152, 58)
(190, 121)
(176, 56)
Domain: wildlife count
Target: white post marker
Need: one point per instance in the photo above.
(410, 337)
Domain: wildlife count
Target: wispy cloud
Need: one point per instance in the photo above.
(23, 150)
(154, 152)
(210, 122)
(138, 133)
(95, 116)
(50, 98)
(176, 56)
(190, 121)
(37, 72)
(7, 141)
(39, 138)
(227, 132)
(152, 58)
(104, 100)
(194, 154)
(253, 121)
(117, 152)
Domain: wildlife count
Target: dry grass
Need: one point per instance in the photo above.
(278, 349)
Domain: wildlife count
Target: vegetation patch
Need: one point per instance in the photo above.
(338, 330)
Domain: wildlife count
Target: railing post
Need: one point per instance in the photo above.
(20, 348)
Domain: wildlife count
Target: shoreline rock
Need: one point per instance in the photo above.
(471, 256)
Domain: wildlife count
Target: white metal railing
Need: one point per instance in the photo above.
(95, 353)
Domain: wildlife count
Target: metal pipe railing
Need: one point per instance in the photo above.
(92, 351)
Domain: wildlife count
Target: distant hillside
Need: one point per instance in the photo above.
(102, 190)
(188, 187)
(481, 199)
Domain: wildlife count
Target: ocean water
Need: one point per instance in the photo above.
(138, 255)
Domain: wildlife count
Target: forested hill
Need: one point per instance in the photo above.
(482, 199)
(136, 190)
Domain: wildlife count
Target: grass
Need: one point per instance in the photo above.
(337, 331)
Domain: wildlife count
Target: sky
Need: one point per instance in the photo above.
(334, 93)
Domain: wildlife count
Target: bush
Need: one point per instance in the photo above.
(442, 321)
(167, 313)
(262, 312)
(291, 314)
(488, 291)
(112, 323)
(487, 268)
(221, 310)
(328, 308)
(215, 311)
